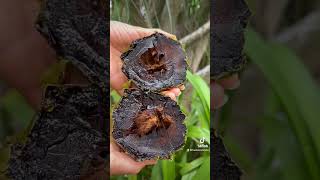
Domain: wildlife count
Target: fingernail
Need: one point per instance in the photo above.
(182, 87)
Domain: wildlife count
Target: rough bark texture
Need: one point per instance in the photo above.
(229, 19)
(155, 63)
(222, 166)
(148, 125)
(68, 139)
(78, 31)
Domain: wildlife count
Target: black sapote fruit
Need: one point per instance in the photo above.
(78, 31)
(148, 125)
(155, 63)
(222, 166)
(68, 139)
(229, 19)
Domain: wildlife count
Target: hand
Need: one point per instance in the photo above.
(121, 163)
(218, 98)
(121, 36)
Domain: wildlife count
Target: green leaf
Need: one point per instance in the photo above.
(203, 92)
(156, 172)
(54, 74)
(203, 173)
(132, 177)
(298, 93)
(186, 168)
(168, 169)
(189, 176)
(198, 132)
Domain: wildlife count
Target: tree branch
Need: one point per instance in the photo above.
(196, 34)
(297, 35)
(204, 71)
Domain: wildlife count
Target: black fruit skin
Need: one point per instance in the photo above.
(158, 143)
(222, 166)
(154, 63)
(68, 138)
(78, 31)
(229, 19)
(174, 69)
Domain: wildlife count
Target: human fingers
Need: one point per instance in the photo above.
(218, 99)
(122, 35)
(149, 162)
(169, 94)
(230, 82)
(148, 32)
(117, 78)
(175, 91)
(181, 87)
(121, 163)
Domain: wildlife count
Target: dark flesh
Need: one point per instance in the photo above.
(229, 19)
(148, 125)
(155, 63)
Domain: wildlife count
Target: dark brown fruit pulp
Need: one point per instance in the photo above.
(148, 125)
(155, 63)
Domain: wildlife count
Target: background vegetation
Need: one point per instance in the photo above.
(182, 18)
(271, 125)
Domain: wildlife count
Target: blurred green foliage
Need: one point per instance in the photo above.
(15, 115)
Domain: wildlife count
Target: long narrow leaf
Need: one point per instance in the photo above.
(168, 169)
(203, 92)
(297, 92)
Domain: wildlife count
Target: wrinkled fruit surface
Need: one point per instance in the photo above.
(222, 166)
(68, 139)
(148, 125)
(78, 31)
(229, 18)
(155, 63)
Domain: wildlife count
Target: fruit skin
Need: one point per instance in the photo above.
(159, 142)
(68, 139)
(222, 166)
(78, 31)
(155, 63)
(229, 19)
